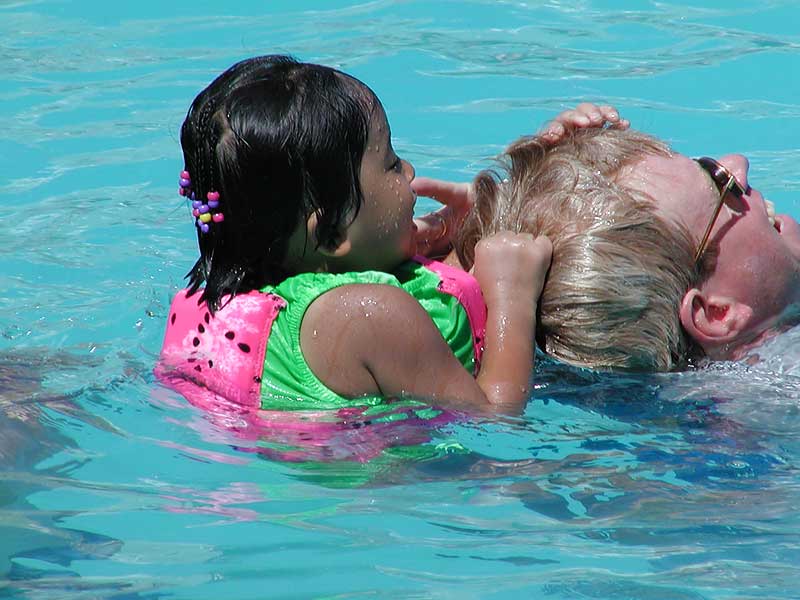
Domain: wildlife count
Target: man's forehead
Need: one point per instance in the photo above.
(662, 171)
(679, 188)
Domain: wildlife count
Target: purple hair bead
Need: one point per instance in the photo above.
(185, 183)
(202, 211)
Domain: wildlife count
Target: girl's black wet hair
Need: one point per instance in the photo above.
(280, 140)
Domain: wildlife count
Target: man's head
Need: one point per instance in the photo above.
(752, 264)
(625, 216)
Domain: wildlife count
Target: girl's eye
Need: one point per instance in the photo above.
(397, 166)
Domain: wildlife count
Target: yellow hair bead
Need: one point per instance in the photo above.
(205, 217)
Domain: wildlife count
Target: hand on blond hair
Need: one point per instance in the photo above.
(511, 269)
(583, 116)
(435, 230)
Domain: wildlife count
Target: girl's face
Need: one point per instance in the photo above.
(383, 234)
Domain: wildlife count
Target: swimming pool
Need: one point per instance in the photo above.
(681, 486)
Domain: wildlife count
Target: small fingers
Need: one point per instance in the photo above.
(544, 250)
(585, 115)
(568, 120)
(580, 116)
(592, 113)
(430, 188)
(600, 115)
(544, 244)
(539, 245)
(540, 248)
(444, 192)
(611, 115)
(553, 131)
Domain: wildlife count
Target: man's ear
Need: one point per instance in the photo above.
(338, 248)
(713, 320)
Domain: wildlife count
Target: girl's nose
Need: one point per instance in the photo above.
(408, 171)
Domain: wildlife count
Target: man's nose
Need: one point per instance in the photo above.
(739, 166)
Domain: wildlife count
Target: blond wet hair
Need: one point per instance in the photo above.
(619, 270)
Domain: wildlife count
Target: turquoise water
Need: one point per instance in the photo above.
(681, 486)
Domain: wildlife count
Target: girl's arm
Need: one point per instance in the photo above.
(362, 340)
(511, 270)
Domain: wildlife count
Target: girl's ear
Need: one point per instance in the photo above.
(713, 320)
(339, 247)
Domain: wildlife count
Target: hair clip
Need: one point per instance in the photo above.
(185, 183)
(202, 211)
(203, 214)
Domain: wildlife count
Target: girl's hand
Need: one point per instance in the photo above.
(436, 230)
(458, 196)
(583, 116)
(511, 267)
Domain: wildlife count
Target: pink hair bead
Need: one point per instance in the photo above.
(185, 175)
(212, 196)
(218, 218)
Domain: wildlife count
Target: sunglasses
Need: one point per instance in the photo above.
(728, 187)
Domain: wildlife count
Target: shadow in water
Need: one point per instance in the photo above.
(36, 551)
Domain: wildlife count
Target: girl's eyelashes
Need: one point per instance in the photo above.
(397, 165)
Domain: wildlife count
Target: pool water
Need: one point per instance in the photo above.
(676, 486)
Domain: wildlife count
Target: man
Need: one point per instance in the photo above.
(657, 258)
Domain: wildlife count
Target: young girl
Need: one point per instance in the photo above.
(313, 297)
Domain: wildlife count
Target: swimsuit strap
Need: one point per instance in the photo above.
(465, 288)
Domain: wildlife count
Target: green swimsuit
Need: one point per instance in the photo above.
(287, 381)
